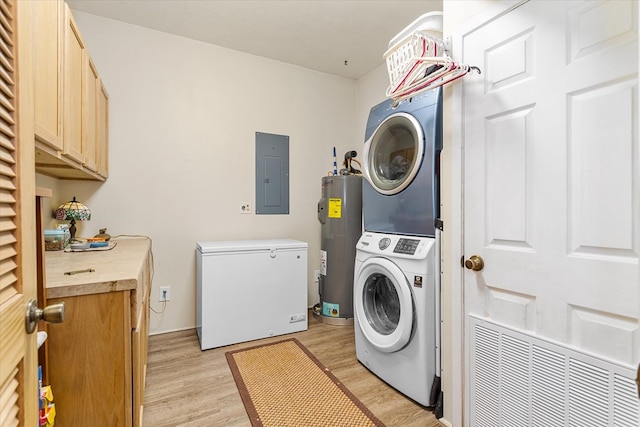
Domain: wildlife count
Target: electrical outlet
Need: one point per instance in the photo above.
(316, 276)
(165, 293)
(245, 208)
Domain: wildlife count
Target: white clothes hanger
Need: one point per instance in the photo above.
(419, 62)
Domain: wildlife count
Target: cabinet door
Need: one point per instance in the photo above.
(90, 114)
(48, 81)
(103, 131)
(73, 73)
(140, 339)
(90, 360)
(140, 342)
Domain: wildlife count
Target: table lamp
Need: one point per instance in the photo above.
(73, 210)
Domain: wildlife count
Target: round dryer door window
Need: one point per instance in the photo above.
(384, 305)
(393, 154)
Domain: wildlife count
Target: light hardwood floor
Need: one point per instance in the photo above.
(189, 387)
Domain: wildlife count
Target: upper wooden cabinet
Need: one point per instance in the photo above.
(95, 120)
(74, 75)
(103, 131)
(90, 115)
(48, 84)
(69, 140)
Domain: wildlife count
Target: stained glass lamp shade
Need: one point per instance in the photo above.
(73, 210)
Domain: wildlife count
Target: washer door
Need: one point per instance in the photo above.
(384, 304)
(393, 154)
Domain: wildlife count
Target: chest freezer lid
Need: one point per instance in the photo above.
(250, 245)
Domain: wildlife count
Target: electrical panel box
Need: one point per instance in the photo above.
(272, 173)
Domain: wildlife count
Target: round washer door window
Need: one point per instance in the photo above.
(384, 305)
(393, 154)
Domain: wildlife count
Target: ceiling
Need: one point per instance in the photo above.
(342, 37)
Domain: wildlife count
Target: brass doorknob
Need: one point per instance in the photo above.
(475, 263)
(53, 313)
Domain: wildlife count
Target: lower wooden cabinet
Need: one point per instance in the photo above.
(97, 357)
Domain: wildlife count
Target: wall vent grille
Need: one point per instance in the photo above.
(518, 379)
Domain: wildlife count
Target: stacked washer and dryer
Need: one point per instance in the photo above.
(396, 273)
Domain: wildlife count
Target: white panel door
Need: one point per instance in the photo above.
(552, 174)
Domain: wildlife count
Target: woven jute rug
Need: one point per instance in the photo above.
(283, 385)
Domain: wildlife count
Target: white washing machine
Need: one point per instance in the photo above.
(396, 312)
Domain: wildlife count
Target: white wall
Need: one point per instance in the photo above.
(183, 117)
(371, 91)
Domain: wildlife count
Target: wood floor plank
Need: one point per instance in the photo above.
(189, 387)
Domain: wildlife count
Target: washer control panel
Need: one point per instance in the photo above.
(406, 246)
(393, 245)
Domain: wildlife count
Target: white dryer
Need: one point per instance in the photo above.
(396, 307)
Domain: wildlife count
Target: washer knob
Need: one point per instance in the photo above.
(384, 243)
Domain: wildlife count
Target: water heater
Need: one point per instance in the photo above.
(340, 213)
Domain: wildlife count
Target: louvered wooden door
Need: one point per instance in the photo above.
(18, 355)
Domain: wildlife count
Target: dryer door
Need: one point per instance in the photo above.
(393, 154)
(384, 306)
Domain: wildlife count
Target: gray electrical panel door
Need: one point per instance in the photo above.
(272, 173)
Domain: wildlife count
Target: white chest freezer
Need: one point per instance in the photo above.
(250, 289)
